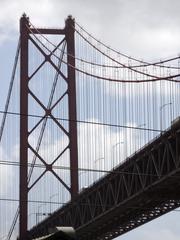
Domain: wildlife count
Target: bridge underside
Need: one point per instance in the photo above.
(143, 188)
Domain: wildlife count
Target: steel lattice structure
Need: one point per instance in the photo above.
(122, 201)
(25, 92)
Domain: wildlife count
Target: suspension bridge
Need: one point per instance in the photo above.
(89, 137)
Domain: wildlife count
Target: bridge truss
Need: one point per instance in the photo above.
(122, 201)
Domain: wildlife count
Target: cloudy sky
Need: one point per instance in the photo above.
(148, 29)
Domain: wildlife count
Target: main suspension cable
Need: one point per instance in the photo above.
(145, 64)
(129, 57)
(153, 79)
(10, 90)
(13, 224)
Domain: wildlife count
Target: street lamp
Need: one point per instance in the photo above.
(113, 147)
(137, 128)
(82, 180)
(31, 214)
(51, 199)
(160, 109)
(38, 213)
(95, 163)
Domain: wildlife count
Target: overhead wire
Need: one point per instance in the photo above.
(114, 171)
(82, 121)
(89, 204)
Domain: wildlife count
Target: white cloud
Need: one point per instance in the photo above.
(142, 28)
(41, 13)
(157, 40)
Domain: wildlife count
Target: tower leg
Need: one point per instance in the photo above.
(23, 191)
(72, 105)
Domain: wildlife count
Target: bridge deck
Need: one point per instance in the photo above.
(141, 189)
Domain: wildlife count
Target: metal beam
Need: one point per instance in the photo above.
(72, 105)
(23, 127)
(48, 31)
(128, 197)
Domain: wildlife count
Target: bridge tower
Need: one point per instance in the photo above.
(25, 37)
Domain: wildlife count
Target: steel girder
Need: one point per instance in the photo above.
(144, 187)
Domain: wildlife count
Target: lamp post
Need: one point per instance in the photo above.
(95, 163)
(31, 214)
(51, 199)
(113, 147)
(38, 213)
(160, 109)
(82, 180)
(139, 126)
